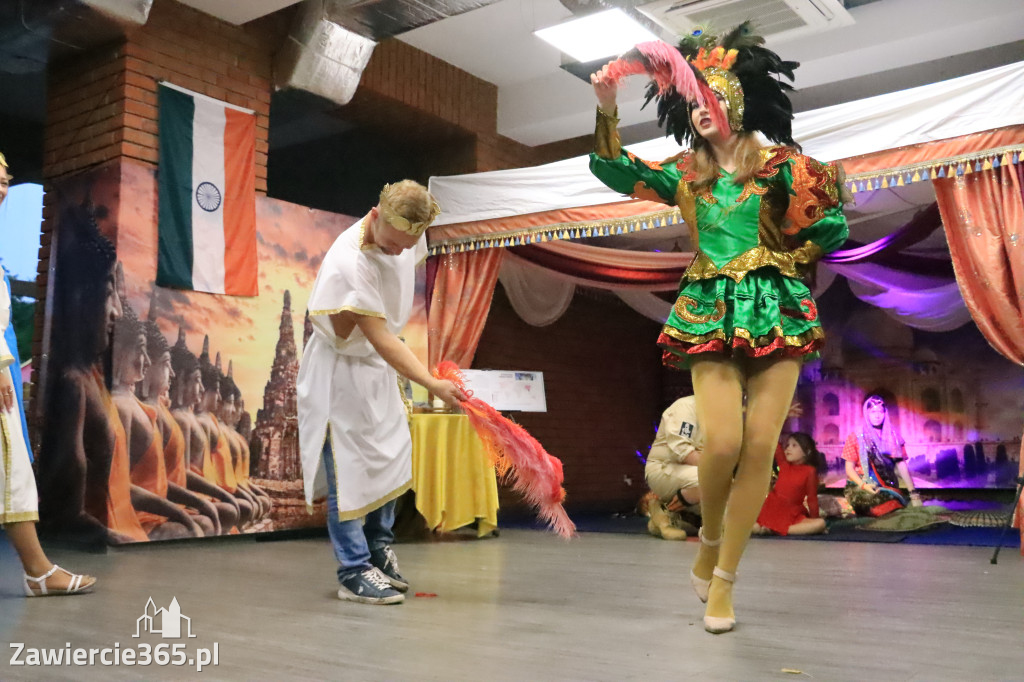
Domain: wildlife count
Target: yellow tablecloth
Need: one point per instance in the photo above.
(454, 481)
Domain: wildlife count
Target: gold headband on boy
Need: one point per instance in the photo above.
(401, 223)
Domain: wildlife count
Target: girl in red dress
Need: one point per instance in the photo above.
(784, 512)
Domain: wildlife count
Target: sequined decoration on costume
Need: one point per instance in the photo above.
(772, 158)
(642, 191)
(653, 165)
(684, 303)
(728, 86)
(811, 314)
(751, 187)
(685, 160)
(706, 196)
(814, 188)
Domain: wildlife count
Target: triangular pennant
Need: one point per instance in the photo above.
(917, 177)
(942, 172)
(995, 161)
(885, 182)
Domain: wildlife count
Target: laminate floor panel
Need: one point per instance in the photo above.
(529, 606)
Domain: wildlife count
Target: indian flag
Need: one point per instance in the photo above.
(207, 189)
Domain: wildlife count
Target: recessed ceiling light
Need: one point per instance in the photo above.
(604, 34)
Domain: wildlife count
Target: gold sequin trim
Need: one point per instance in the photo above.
(363, 246)
(5, 434)
(687, 205)
(786, 262)
(376, 504)
(18, 517)
(606, 136)
(813, 334)
(349, 309)
(772, 158)
(684, 303)
(728, 86)
(751, 187)
(706, 196)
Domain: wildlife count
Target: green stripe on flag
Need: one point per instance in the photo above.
(174, 262)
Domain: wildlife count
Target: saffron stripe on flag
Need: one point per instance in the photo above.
(175, 246)
(239, 208)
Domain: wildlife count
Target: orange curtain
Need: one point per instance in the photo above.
(984, 218)
(1018, 513)
(463, 289)
(983, 213)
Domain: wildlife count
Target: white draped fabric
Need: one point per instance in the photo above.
(969, 104)
(931, 304)
(647, 304)
(538, 295)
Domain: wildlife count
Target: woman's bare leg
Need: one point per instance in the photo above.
(718, 387)
(770, 388)
(808, 527)
(33, 559)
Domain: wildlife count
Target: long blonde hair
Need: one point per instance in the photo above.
(705, 166)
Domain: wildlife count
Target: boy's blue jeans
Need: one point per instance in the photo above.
(353, 540)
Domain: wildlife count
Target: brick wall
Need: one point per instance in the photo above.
(401, 76)
(101, 105)
(85, 112)
(602, 377)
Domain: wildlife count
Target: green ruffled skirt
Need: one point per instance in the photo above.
(764, 314)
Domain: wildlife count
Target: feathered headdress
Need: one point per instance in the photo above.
(736, 67)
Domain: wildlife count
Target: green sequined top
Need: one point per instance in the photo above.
(769, 229)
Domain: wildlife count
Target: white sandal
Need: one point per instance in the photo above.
(74, 587)
(713, 624)
(701, 586)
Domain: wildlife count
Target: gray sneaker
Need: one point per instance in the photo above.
(369, 587)
(386, 562)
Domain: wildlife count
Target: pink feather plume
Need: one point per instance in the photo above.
(668, 68)
(517, 456)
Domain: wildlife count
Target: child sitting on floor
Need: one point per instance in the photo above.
(783, 511)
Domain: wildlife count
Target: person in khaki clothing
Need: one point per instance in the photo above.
(671, 472)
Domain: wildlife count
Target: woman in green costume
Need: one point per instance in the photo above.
(744, 320)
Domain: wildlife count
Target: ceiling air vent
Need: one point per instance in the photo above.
(777, 20)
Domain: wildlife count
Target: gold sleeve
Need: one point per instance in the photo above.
(606, 135)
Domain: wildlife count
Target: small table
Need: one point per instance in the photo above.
(454, 480)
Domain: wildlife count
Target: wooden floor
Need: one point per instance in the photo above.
(528, 606)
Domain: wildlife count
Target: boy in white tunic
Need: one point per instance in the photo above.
(353, 430)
